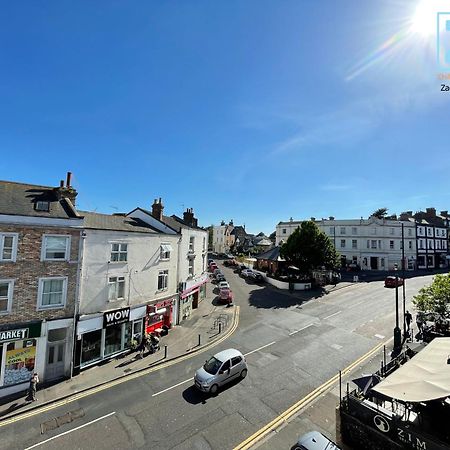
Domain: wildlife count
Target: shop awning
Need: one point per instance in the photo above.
(166, 248)
(423, 378)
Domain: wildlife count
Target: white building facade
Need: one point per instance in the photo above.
(373, 244)
(128, 285)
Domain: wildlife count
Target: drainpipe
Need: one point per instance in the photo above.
(178, 277)
(77, 297)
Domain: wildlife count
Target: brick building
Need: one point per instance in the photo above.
(40, 234)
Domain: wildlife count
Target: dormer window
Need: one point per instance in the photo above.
(42, 206)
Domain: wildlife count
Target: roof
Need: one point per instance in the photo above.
(118, 223)
(227, 354)
(264, 242)
(19, 199)
(423, 378)
(272, 254)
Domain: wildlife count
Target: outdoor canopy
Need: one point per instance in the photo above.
(423, 378)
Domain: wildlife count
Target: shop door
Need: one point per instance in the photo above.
(374, 263)
(55, 360)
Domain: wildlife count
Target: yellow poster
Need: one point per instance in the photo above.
(19, 365)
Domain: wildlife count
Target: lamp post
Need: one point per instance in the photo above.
(397, 331)
(403, 284)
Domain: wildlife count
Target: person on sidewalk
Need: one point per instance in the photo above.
(408, 318)
(419, 322)
(143, 345)
(34, 380)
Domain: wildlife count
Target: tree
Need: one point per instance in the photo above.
(380, 213)
(436, 297)
(308, 248)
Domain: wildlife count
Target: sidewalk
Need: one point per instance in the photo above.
(320, 414)
(181, 340)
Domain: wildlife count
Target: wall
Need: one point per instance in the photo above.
(28, 268)
(140, 271)
(200, 252)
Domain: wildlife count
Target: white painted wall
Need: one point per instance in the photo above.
(200, 252)
(140, 271)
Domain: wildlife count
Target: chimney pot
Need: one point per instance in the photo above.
(69, 179)
(61, 183)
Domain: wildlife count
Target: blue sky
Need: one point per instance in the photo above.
(254, 111)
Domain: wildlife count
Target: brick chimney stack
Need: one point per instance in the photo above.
(189, 219)
(431, 212)
(66, 191)
(157, 209)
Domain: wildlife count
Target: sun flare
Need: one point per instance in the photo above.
(424, 21)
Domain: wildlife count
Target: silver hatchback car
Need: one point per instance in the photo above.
(220, 369)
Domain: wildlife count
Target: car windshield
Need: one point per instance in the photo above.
(212, 366)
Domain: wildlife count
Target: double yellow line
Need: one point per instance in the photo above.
(124, 379)
(286, 415)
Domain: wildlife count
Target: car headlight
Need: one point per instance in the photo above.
(207, 382)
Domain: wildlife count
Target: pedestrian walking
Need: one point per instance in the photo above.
(143, 345)
(408, 318)
(419, 322)
(34, 380)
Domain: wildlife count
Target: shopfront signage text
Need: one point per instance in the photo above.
(116, 317)
(13, 335)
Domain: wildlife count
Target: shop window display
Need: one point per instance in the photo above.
(113, 339)
(19, 361)
(91, 346)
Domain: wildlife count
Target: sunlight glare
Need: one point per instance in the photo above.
(424, 20)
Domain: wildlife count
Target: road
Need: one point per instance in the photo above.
(291, 347)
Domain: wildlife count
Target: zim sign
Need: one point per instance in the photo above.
(116, 317)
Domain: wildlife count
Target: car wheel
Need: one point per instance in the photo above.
(213, 389)
(243, 374)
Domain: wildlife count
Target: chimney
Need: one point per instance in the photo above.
(231, 222)
(157, 209)
(444, 213)
(431, 212)
(331, 218)
(188, 217)
(313, 219)
(291, 219)
(66, 191)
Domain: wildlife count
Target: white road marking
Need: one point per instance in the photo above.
(260, 348)
(70, 431)
(174, 386)
(379, 336)
(331, 315)
(301, 329)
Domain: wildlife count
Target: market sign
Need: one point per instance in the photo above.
(116, 317)
(13, 335)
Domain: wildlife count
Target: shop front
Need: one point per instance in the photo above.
(160, 315)
(107, 335)
(193, 293)
(19, 346)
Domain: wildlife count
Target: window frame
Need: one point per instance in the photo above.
(119, 279)
(391, 245)
(40, 306)
(67, 237)
(164, 256)
(10, 282)
(354, 243)
(15, 237)
(164, 275)
(342, 243)
(191, 244)
(118, 252)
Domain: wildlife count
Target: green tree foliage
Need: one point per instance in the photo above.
(380, 213)
(436, 297)
(308, 248)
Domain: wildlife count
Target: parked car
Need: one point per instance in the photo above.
(224, 284)
(255, 276)
(220, 277)
(226, 295)
(217, 271)
(392, 281)
(314, 441)
(220, 369)
(212, 267)
(246, 273)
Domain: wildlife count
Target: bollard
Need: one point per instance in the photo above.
(199, 340)
(165, 351)
(220, 327)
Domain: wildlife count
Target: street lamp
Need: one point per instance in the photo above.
(397, 331)
(403, 284)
